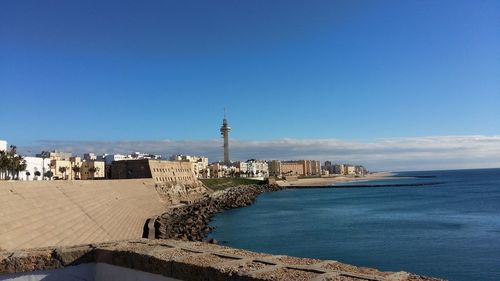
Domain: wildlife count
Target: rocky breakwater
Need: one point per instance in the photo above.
(190, 222)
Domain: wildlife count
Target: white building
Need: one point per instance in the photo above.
(252, 168)
(115, 157)
(3, 145)
(199, 164)
(35, 168)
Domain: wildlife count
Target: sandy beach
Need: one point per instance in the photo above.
(329, 180)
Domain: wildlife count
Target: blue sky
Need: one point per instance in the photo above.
(357, 71)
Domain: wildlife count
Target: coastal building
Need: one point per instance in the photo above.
(360, 170)
(349, 170)
(329, 168)
(224, 131)
(60, 169)
(91, 170)
(256, 168)
(35, 168)
(219, 170)
(241, 168)
(140, 155)
(3, 145)
(76, 167)
(55, 155)
(162, 171)
(338, 169)
(250, 168)
(274, 167)
(109, 158)
(292, 168)
(311, 167)
(89, 157)
(199, 164)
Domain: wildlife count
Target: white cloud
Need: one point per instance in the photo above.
(418, 153)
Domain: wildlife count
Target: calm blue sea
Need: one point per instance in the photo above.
(449, 230)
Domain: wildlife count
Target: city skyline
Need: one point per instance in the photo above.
(344, 76)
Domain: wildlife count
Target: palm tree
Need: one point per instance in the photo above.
(93, 170)
(20, 165)
(63, 171)
(11, 163)
(4, 163)
(76, 170)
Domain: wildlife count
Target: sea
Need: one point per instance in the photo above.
(443, 224)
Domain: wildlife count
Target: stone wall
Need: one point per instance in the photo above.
(192, 261)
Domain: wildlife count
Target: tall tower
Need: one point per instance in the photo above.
(224, 132)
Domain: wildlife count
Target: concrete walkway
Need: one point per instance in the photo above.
(60, 213)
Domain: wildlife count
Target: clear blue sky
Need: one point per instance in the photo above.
(153, 70)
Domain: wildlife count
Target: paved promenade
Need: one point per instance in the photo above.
(60, 213)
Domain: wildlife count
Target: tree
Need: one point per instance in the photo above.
(76, 170)
(28, 174)
(49, 174)
(63, 171)
(4, 164)
(93, 170)
(11, 163)
(37, 174)
(20, 165)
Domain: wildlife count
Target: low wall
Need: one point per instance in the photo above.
(59, 213)
(190, 261)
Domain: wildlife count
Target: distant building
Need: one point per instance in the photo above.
(349, 170)
(274, 167)
(109, 158)
(338, 169)
(3, 145)
(311, 167)
(92, 170)
(89, 157)
(292, 168)
(55, 155)
(199, 164)
(61, 169)
(162, 171)
(251, 168)
(219, 170)
(328, 168)
(139, 155)
(256, 168)
(35, 168)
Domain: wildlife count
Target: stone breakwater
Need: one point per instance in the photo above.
(190, 222)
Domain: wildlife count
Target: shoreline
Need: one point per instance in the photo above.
(191, 221)
(330, 180)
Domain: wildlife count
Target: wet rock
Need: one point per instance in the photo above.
(190, 222)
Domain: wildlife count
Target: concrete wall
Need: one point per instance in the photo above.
(55, 213)
(184, 261)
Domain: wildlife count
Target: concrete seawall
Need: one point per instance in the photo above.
(60, 213)
(184, 261)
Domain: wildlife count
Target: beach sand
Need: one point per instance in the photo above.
(329, 180)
